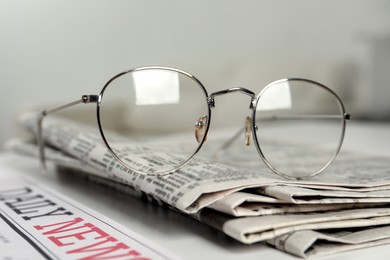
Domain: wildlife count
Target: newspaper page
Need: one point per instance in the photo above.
(202, 176)
(305, 239)
(313, 243)
(243, 202)
(49, 225)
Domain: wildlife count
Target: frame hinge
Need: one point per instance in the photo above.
(90, 98)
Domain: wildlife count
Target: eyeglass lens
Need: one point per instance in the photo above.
(147, 104)
(299, 127)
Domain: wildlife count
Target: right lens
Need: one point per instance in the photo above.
(163, 117)
(300, 127)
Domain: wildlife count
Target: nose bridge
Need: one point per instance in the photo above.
(245, 91)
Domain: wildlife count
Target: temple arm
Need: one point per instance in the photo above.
(84, 99)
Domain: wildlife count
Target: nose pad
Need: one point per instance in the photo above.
(247, 129)
(200, 128)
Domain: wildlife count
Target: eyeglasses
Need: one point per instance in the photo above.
(297, 125)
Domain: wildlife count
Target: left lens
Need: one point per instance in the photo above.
(162, 114)
(299, 127)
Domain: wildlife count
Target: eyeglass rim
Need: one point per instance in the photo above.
(106, 142)
(344, 115)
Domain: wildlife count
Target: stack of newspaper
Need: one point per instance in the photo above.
(344, 208)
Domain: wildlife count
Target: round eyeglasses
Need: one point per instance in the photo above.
(297, 125)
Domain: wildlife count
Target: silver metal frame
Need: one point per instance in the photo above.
(210, 100)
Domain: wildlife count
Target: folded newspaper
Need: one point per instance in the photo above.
(344, 208)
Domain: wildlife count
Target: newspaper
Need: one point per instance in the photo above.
(49, 225)
(245, 201)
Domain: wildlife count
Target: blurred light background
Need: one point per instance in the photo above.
(52, 52)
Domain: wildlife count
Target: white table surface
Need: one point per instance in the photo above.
(180, 234)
